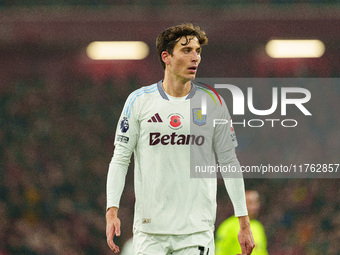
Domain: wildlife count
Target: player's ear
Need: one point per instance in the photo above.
(165, 57)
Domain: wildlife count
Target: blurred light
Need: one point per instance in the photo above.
(118, 50)
(295, 48)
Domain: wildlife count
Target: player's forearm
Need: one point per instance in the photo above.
(115, 185)
(244, 222)
(234, 183)
(116, 176)
(235, 188)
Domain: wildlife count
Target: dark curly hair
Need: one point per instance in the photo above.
(167, 40)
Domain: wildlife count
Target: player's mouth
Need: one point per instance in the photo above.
(192, 69)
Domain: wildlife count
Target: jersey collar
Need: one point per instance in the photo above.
(164, 96)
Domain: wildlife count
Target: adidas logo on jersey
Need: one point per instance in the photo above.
(155, 118)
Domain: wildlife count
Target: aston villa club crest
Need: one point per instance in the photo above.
(198, 117)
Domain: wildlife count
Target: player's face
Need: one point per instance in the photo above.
(185, 58)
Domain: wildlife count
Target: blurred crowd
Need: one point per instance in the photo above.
(56, 144)
(56, 141)
(155, 3)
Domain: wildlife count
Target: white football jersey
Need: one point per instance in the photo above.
(171, 139)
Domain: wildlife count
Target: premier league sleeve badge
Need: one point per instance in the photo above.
(124, 125)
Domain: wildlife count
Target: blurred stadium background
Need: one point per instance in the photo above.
(59, 111)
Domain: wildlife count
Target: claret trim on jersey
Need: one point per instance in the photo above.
(212, 89)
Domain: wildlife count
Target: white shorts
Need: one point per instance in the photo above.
(200, 243)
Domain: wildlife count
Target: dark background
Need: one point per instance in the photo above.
(59, 109)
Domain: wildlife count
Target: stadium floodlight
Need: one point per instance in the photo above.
(295, 48)
(117, 50)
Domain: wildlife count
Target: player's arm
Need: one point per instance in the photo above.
(235, 187)
(245, 236)
(115, 185)
(224, 143)
(224, 146)
(112, 227)
(125, 141)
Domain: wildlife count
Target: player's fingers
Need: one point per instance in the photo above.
(117, 228)
(113, 247)
(243, 249)
(246, 250)
(116, 249)
(110, 243)
(250, 247)
(109, 236)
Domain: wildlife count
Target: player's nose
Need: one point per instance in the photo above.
(195, 57)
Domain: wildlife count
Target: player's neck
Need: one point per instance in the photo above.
(176, 87)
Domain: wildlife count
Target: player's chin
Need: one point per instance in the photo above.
(191, 76)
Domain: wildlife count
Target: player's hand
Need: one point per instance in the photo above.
(245, 237)
(112, 228)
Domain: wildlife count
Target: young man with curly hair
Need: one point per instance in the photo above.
(164, 126)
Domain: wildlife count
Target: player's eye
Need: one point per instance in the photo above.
(186, 50)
